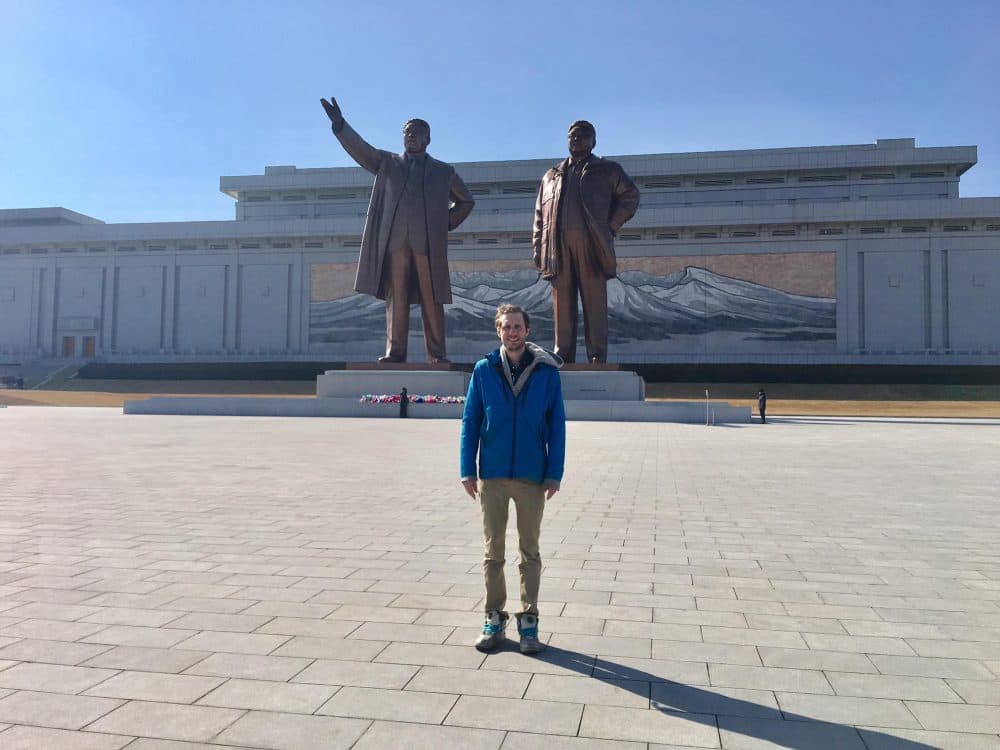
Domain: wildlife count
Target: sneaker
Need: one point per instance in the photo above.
(493, 631)
(527, 628)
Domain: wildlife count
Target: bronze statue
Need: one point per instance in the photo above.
(582, 202)
(416, 201)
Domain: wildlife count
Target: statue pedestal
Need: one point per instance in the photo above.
(602, 393)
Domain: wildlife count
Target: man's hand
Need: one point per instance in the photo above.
(550, 491)
(470, 487)
(333, 111)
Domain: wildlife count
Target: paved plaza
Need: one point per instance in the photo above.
(183, 583)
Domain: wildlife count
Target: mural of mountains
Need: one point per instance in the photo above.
(642, 307)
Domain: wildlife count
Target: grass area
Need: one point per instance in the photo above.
(905, 400)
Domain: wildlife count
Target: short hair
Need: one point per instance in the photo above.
(420, 123)
(582, 124)
(508, 309)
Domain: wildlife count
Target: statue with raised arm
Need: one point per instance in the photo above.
(416, 200)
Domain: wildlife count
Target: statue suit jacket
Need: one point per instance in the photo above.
(610, 198)
(447, 202)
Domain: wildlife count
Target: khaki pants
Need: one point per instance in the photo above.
(529, 502)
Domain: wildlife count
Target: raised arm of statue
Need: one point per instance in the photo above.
(358, 148)
(333, 112)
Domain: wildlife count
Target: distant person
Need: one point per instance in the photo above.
(514, 423)
(404, 403)
(20, 383)
(762, 405)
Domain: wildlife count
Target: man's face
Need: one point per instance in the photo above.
(415, 138)
(512, 331)
(581, 142)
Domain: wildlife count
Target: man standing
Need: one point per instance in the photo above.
(515, 423)
(416, 201)
(582, 202)
(762, 405)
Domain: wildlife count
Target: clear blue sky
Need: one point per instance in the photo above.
(131, 110)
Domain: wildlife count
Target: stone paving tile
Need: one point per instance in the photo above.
(166, 721)
(649, 725)
(920, 666)
(153, 686)
(359, 674)
(604, 645)
(51, 630)
(858, 644)
(385, 735)
(525, 741)
(363, 613)
(483, 682)
(753, 637)
(676, 697)
(769, 678)
(129, 635)
(893, 686)
(54, 710)
(833, 661)
(310, 627)
(589, 690)
(950, 717)
(211, 604)
(217, 621)
(652, 670)
(384, 631)
(877, 712)
(248, 666)
(430, 655)
(289, 609)
(719, 653)
(234, 643)
(146, 659)
(545, 717)
(278, 731)
(700, 617)
(740, 733)
(976, 691)
(130, 616)
(260, 695)
(145, 743)
(39, 738)
(895, 739)
(52, 678)
(51, 652)
(393, 705)
(330, 648)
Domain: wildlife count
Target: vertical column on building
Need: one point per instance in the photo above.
(938, 295)
(168, 326)
(231, 338)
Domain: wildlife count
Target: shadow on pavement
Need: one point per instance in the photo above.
(703, 705)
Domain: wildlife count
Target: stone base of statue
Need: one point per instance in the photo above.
(590, 394)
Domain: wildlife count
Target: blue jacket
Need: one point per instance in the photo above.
(518, 431)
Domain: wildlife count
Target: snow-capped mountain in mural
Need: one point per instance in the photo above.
(642, 307)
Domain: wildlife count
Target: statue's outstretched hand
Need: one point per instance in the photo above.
(333, 111)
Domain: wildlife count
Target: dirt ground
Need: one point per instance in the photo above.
(927, 400)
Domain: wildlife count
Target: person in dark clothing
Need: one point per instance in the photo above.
(404, 403)
(762, 405)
